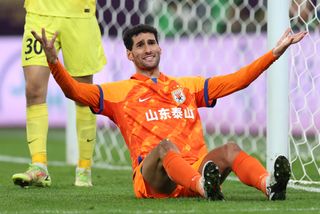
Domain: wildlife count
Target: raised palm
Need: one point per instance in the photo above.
(286, 40)
(48, 46)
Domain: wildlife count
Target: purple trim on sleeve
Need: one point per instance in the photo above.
(100, 102)
(206, 95)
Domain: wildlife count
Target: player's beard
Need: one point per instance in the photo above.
(145, 66)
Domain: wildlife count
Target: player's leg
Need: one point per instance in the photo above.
(154, 172)
(164, 168)
(223, 157)
(230, 157)
(83, 56)
(86, 134)
(36, 78)
(36, 75)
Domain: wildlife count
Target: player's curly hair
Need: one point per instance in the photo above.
(135, 30)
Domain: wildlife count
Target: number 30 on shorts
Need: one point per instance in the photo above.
(34, 45)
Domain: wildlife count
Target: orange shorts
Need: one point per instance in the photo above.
(143, 190)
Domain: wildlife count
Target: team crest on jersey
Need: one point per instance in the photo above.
(179, 96)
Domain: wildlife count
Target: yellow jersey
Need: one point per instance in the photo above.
(62, 8)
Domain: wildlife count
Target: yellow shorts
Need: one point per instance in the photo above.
(143, 190)
(79, 39)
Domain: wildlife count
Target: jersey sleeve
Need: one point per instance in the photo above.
(221, 86)
(112, 97)
(84, 93)
(198, 86)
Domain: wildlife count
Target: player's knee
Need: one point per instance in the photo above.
(232, 146)
(231, 150)
(35, 90)
(165, 146)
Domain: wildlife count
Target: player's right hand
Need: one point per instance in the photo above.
(48, 46)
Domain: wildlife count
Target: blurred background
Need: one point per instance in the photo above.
(12, 16)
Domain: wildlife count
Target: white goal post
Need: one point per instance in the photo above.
(277, 86)
(277, 114)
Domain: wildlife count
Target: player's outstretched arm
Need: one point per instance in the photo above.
(286, 40)
(84, 93)
(221, 86)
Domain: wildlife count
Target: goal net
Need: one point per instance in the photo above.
(215, 37)
(304, 93)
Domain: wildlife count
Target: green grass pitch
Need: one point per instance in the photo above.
(113, 192)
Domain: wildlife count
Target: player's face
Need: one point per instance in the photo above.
(145, 52)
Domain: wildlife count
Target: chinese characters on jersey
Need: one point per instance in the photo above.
(168, 113)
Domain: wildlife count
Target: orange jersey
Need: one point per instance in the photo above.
(148, 111)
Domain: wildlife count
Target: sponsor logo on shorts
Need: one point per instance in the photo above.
(27, 58)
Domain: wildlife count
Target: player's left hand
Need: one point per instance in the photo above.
(286, 40)
(48, 46)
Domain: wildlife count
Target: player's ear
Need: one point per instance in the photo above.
(129, 55)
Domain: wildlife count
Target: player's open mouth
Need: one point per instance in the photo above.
(149, 58)
(149, 61)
